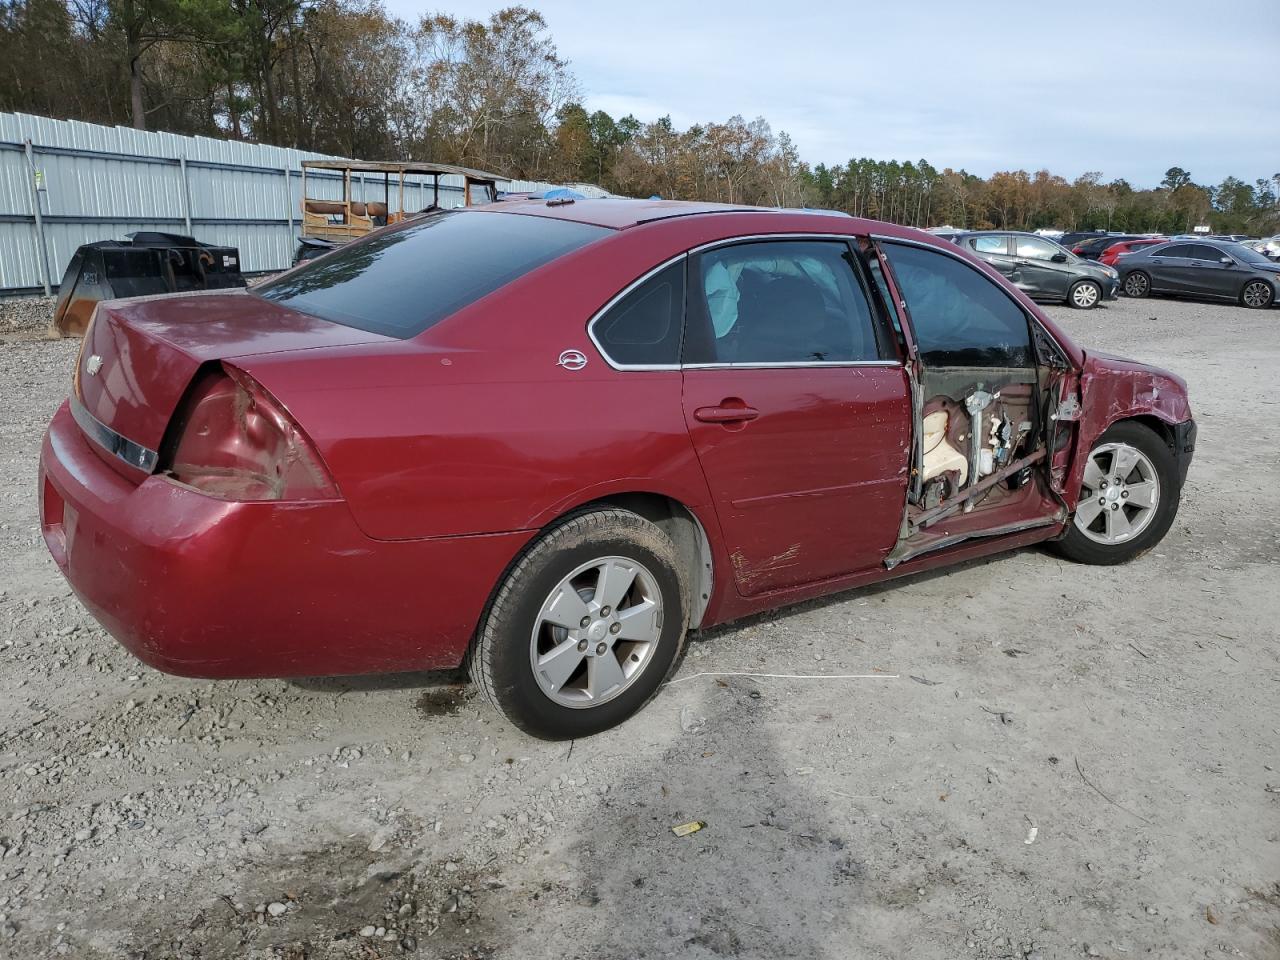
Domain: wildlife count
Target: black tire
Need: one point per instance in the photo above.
(1077, 546)
(1257, 295)
(1137, 285)
(499, 659)
(1076, 299)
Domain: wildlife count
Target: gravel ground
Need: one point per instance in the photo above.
(1124, 719)
(27, 315)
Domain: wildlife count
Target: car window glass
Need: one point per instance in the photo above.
(780, 302)
(1252, 256)
(401, 280)
(1034, 248)
(1202, 251)
(644, 326)
(1174, 250)
(990, 244)
(959, 316)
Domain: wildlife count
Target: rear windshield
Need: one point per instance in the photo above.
(401, 281)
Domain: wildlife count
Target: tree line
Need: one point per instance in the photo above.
(345, 77)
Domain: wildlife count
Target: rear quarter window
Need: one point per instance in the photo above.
(403, 280)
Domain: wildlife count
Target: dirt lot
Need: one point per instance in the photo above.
(1130, 715)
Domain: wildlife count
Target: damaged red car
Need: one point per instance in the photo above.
(548, 439)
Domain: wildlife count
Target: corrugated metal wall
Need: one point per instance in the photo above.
(100, 183)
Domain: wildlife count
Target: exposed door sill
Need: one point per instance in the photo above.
(904, 551)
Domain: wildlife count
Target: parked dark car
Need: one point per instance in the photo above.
(1209, 269)
(549, 439)
(1069, 240)
(1042, 269)
(1093, 248)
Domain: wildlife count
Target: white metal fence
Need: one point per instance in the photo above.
(64, 183)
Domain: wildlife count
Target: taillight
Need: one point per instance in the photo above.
(237, 443)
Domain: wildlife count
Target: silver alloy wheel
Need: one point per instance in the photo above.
(596, 632)
(1135, 285)
(1085, 295)
(1257, 294)
(1120, 494)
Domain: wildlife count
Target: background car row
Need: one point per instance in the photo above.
(1097, 267)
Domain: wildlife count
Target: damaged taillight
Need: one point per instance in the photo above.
(236, 442)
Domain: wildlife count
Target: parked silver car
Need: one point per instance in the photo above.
(1043, 269)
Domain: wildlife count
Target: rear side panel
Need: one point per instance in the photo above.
(139, 356)
(210, 588)
(431, 442)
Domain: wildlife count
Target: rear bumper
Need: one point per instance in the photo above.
(202, 587)
(1184, 447)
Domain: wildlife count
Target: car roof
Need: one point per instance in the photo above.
(619, 213)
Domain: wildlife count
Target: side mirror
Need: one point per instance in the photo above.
(1226, 261)
(1059, 258)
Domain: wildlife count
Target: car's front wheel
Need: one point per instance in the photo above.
(1137, 284)
(1084, 295)
(584, 628)
(1128, 498)
(1257, 294)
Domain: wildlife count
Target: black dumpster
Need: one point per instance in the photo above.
(141, 264)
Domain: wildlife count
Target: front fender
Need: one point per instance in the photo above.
(1114, 389)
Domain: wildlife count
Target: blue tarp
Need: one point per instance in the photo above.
(561, 193)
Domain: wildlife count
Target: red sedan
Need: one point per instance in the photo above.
(550, 438)
(1117, 250)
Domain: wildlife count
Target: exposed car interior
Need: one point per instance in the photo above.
(979, 434)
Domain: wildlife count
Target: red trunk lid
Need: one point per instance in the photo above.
(139, 355)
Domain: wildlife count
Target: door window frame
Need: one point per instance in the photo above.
(1006, 252)
(1030, 240)
(626, 292)
(1034, 326)
(885, 335)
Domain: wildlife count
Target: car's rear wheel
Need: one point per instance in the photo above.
(1084, 295)
(584, 628)
(1257, 294)
(1137, 284)
(1128, 498)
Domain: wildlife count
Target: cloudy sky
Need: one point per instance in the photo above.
(1129, 89)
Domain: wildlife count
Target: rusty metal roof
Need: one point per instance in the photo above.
(400, 167)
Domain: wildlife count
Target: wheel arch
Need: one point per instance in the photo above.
(1161, 428)
(673, 516)
(686, 531)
